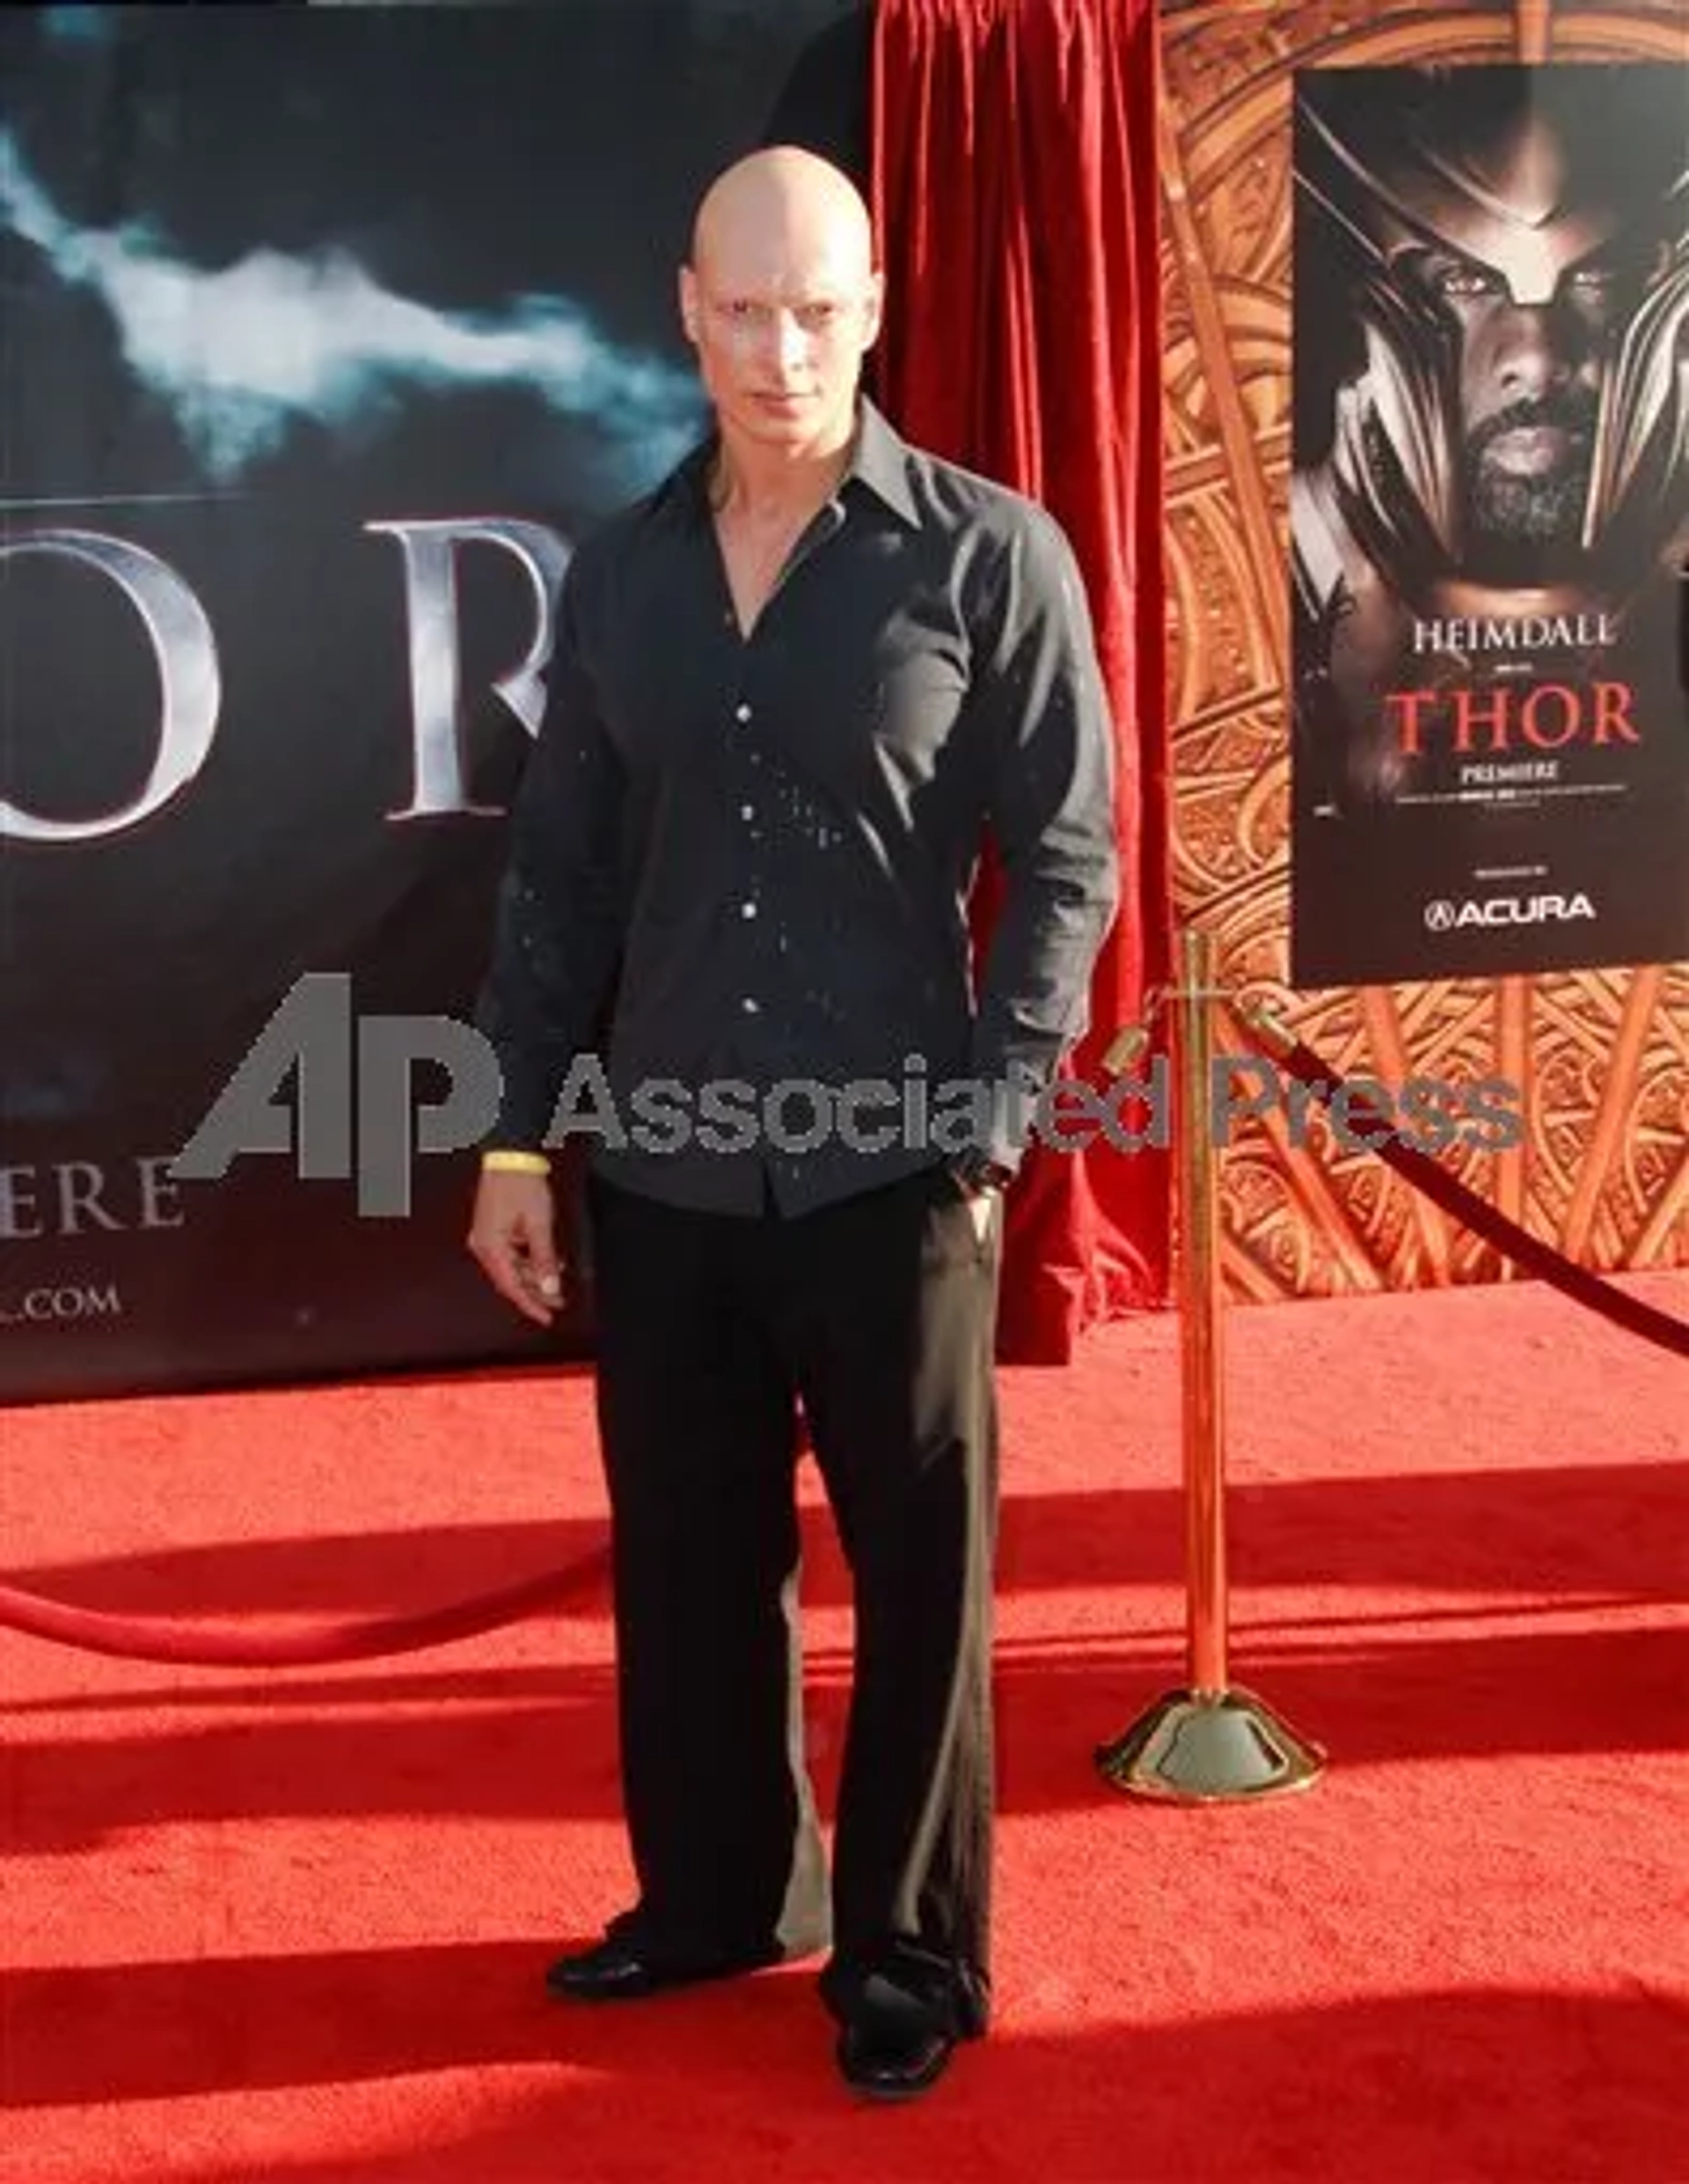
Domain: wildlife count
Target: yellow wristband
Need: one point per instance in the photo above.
(500, 1162)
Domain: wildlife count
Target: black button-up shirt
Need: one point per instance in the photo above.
(737, 861)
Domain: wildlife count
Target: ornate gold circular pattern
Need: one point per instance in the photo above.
(1601, 1057)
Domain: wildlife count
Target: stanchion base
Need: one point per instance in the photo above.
(1204, 1746)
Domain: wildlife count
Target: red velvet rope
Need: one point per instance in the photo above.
(1433, 1181)
(126, 1638)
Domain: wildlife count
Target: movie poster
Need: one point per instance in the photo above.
(1490, 521)
(327, 333)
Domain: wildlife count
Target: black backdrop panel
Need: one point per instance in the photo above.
(285, 293)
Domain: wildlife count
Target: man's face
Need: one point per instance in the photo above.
(781, 314)
(1528, 388)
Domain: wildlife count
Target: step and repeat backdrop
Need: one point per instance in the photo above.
(326, 332)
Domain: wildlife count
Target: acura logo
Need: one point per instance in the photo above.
(1444, 916)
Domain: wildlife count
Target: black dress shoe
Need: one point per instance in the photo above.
(894, 2062)
(620, 1971)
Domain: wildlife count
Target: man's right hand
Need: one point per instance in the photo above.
(513, 1234)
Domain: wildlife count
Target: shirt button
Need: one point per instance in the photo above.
(749, 1006)
(741, 712)
(746, 811)
(747, 910)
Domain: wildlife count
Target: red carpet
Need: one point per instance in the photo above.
(289, 1925)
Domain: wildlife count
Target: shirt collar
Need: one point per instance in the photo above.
(879, 461)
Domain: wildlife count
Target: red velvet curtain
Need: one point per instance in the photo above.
(1014, 194)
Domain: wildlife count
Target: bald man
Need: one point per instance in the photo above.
(794, 689)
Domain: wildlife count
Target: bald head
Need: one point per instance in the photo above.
(783, 199)
(781, 299)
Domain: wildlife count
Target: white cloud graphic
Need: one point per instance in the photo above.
(77, 26)
(242, 354)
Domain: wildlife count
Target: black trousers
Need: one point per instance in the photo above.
(877, 1315)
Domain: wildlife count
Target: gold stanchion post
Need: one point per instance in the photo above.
(1207, 1741)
